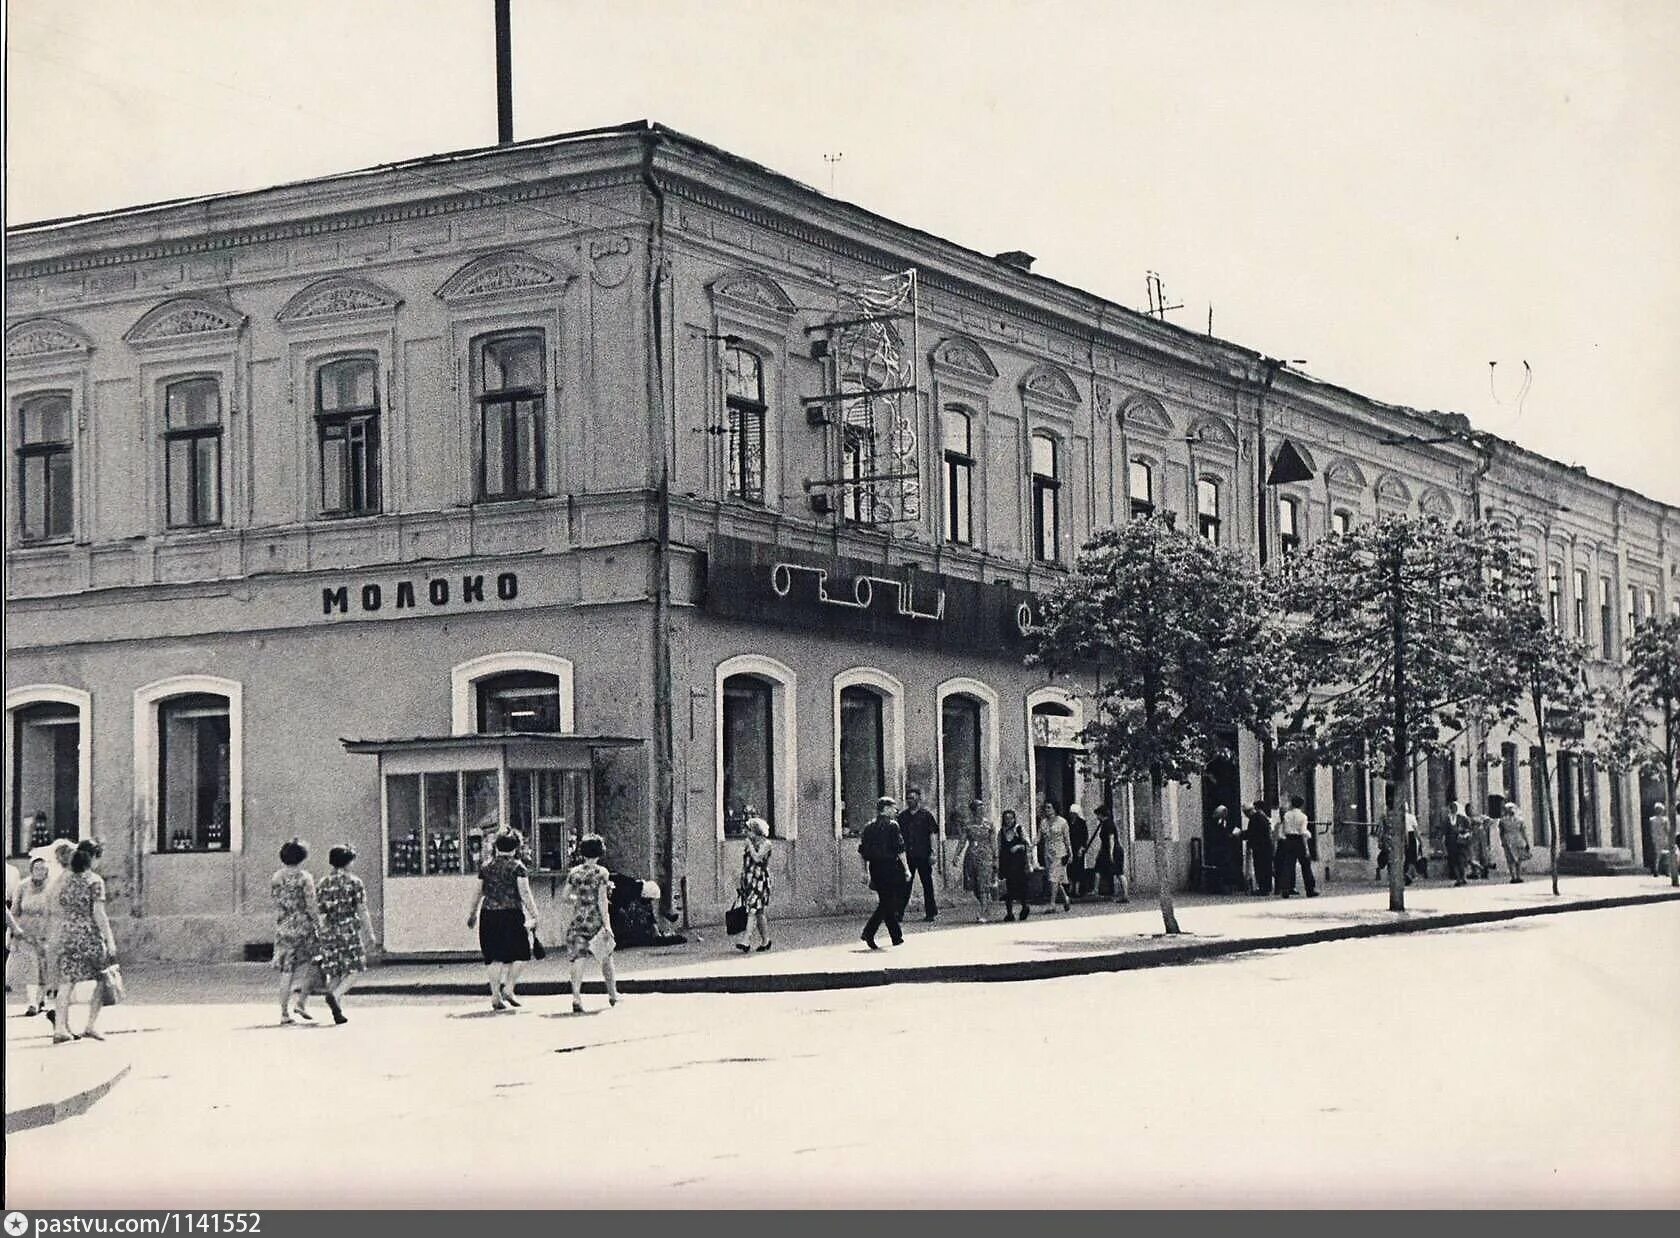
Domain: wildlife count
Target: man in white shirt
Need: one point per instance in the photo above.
(1292, 850)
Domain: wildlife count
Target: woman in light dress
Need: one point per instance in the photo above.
(589, 930)
(1058, 847)
(755, 882)
(297, 932)
(30, 912)
(977, 858)
(83, 944)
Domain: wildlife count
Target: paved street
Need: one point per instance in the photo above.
(1252, 1081)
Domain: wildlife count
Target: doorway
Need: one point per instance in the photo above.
(1222, 785)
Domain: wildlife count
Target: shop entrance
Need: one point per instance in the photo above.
(45, 774)
(1055, 757)
(1222, 851)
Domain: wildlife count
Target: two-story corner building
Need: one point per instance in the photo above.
(611, 481)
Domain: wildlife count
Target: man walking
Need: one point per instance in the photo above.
(921, 835)
(882, 849)
(1260, 850)
(1458, 842)
(1292, 850)
(1514, 839)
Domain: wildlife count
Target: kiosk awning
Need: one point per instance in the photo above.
(547, 740)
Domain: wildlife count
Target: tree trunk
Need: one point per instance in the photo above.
(1400, 775)
(1163, 871)
(1546, 787)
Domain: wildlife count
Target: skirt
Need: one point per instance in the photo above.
(502, 937)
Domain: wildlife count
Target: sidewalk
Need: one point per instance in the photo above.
(1094, 937)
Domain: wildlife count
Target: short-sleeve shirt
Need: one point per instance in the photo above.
(500, 877)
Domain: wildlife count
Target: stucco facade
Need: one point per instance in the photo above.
(592, 532)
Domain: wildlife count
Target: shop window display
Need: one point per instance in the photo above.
(194, 793)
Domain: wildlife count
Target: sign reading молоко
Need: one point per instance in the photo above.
(430, 593)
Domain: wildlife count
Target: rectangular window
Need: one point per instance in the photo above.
(347, 427)
(1289, 526)
(1632, 613)
(1606, 617)
(194, 790)
(193, 452)
(45, 775)
(550, 808)
(748, 753)
(1581, 601)
(1207, 509)
(1651, 604)
(1342, 523)
(858, 468)
(43, 468)
(1538, 825)
(743, 389)
(1046, 500)
(959, 477)
(1142, 487)
(1508, 759)
(1554, 594)
(511, 396)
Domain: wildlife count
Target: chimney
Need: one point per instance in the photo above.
(1017, 258)
(504, 76)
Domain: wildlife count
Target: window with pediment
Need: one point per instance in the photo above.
(192, 464)
(957, 432)
(743, 391)
(510, 386)
(347, 433)
(45, 472)
(1046, 499)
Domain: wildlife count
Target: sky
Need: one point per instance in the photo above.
(1396, 192)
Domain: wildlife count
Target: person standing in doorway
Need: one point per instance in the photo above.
(882, 849)
(1261, 853)
(978, 857)
(921, 835)
(1053, 837)
(1513, 839)
(1292, 849)
(1014, 852)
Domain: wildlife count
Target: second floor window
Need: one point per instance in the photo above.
(1581, 601)
(43, 463)
(193, 452)
(1289, 526)
(1554, 594)
(512, 384)
(959, 477)
(743, 392)
(347, 424)
(1142, 486)
(1634, 614)
(1046, 500)
(1606, 616)
(1207, 509)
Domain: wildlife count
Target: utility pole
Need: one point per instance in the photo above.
(504, 74)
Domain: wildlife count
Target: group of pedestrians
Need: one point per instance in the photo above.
(318, 931)
(1273, 850)
(57, 926)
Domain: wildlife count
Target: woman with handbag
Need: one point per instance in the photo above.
(506, 917)
(589, 930)
(754, 889)
(84, 945)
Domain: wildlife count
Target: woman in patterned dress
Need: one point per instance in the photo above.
(83, 944)
(506, 916)
(344, 915)
(30, 914)
(755, 882)
(297, 930)
(978, 857)
(1053, 833)
(587, 885)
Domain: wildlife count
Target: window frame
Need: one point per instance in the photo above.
(343, 419)
(148, 752)
(783, 739)
(22, 698)
(1046, 488)
(1554, 593)
(1579, 582)
(957, 477)
(508, 401)
(1341, 522)
(193, 435)
(1140, 509)
(741, 416)
(1607, 616)
(45, 451)
(1209, 522)
(1290, 543)
(197, 701)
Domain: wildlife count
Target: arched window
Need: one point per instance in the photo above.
(1207, 508)
(968, 752)
(189, 763)
(510, 390)
(45, 481)
(1289, 525)
(743, 390)
(958, 433)
(863, 758)
(1046, 500)
(193, 452)
(47, 766)
(1141, 479)
(347, 429)
(519, 701)
(749, 753)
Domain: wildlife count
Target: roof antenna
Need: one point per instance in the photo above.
(504, 76)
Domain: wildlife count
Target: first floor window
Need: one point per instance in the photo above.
(961, 772)
(1289, 525)
(863, 767)
(347, 425)
(194, 799)
(45, 775)
(193, 452)
(43, 467)
(1141, 481)
(1207, 508)
(1342, 522)
(1046, 500)
(748, 753)
(959, 477)
(510, 389)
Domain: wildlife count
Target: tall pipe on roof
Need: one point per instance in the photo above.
(504, 75)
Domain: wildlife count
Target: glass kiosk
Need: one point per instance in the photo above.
(442, 800)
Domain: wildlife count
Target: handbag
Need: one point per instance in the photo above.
(111, 987)
(734, 920)
(538, 950)
(603, 944)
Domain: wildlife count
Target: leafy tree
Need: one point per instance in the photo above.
(1629, 736)
(1393, 648)
(1184, 646)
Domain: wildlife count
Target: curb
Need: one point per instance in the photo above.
(48, 1112)
(1026, 969)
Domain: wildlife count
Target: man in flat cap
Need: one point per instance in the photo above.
(882, 849)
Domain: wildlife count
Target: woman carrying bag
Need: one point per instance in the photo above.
(754, 889)
(589, 931)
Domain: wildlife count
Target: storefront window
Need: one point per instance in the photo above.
(442, 796)
(518, 701)
(549, 808)
(194, 799)
(402, 808)
(45, 775)
(748, 761)
(863, 778)
(961, 781)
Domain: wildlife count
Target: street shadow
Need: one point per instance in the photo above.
(279, 1027)
(481, 1014)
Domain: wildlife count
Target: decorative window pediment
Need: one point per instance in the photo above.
(1346, 474)
(1145, 412)
(1391, 489)
(336, 298)
(958, 354)
(45, 339)
(186, 319)
(752, 291)
(510, 272)
(1049, 382)
(1436, 503)
(1213, 431)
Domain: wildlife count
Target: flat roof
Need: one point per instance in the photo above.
(541, 739)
